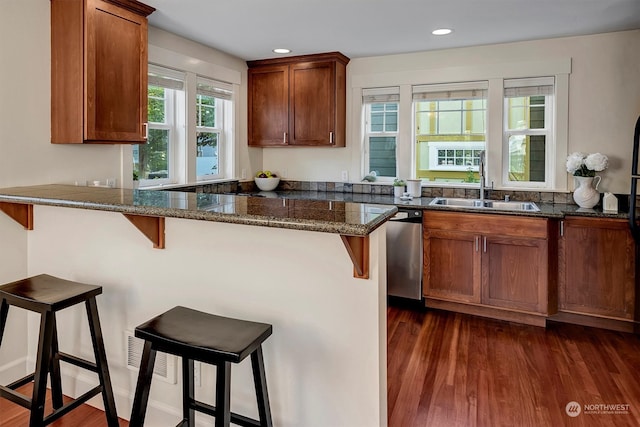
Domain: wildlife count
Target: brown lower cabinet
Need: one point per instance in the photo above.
(597, 272)
(491, 265)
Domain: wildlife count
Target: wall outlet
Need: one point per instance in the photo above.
(345, 176)
(284, 173)
(243, 174)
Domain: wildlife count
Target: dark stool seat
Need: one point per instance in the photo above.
(46, 295)
(216, 340)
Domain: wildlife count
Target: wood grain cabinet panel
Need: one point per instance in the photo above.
(494, 262)
(298, 101)
(99, 71)
(515, 273)
(451, 265)
(597, 275)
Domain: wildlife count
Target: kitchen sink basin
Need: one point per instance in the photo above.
(485, 204)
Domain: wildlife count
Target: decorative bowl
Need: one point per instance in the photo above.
(267, 184)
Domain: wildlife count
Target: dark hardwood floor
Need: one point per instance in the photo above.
(12, 415)
(448, 369)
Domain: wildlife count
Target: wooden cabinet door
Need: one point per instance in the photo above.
(597, 268)
(268, 100)
(116, 74)
(515, 273)
(452, 265)
(312, 103)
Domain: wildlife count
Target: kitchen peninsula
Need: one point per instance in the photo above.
(302, 266)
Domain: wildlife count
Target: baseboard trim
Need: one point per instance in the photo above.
(593, 321)
(489, 312)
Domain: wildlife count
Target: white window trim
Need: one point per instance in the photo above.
(384, 95)
(495, 73)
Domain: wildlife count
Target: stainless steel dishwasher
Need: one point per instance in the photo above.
(404, 254)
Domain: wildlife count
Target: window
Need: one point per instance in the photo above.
(528, 125)
(211, 99)
(181, 150)
(381, 134)
(153, 161)
(450, 131)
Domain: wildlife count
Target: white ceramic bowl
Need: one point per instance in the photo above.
(267, 184)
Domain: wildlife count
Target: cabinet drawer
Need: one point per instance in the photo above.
(503, 225)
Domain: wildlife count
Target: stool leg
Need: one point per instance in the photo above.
(54, 368)
(260, 381)
(223, 394)
(101, 363)
(143, 386)
(4, 310)
(188, 393)
(42, 364)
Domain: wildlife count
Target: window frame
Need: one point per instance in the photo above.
(368, 134)
(549, 132)
(173, 121)
(425, 72)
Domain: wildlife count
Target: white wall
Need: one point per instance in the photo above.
(604, 99)
(326, 359)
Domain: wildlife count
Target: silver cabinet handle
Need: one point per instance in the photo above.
(477, 243)
(284, 138)
(485, 244)
(561, 228)
(331, 138)
(146, 130)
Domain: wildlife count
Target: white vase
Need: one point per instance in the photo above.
(586, 195)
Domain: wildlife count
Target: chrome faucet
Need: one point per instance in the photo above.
(481, 168)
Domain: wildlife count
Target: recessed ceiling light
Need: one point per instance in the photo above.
(441, 32)
(281, 50)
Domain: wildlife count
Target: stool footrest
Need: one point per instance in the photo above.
(70, 406)
(211, 410)
(15, 397)
(22, 381)
(82, 363)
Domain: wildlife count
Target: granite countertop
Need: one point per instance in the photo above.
(352, 218)
(547, 210)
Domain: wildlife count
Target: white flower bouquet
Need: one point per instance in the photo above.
(582, 164)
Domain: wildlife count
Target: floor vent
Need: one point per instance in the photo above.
(165, 366)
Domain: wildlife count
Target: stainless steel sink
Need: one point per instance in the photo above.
(485, 204)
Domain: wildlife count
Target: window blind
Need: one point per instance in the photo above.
(165, 77)
(515, 88)
(453, 91)
(214, 88)
(381, 94)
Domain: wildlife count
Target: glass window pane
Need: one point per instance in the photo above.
(450, 122)
(377, 122)
(450, 134)
(391, 122)
(527, 158)
(151, 160)
(207, 162)
(157, 105)
(382, 155)
(206, 111)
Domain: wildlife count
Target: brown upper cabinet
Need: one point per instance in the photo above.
(99, 71)
(298, 101)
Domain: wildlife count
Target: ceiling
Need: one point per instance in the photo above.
(250, 29)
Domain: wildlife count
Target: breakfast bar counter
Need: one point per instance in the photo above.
(254, 258)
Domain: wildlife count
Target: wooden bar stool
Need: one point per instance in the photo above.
(215, 340)
(46, 295)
